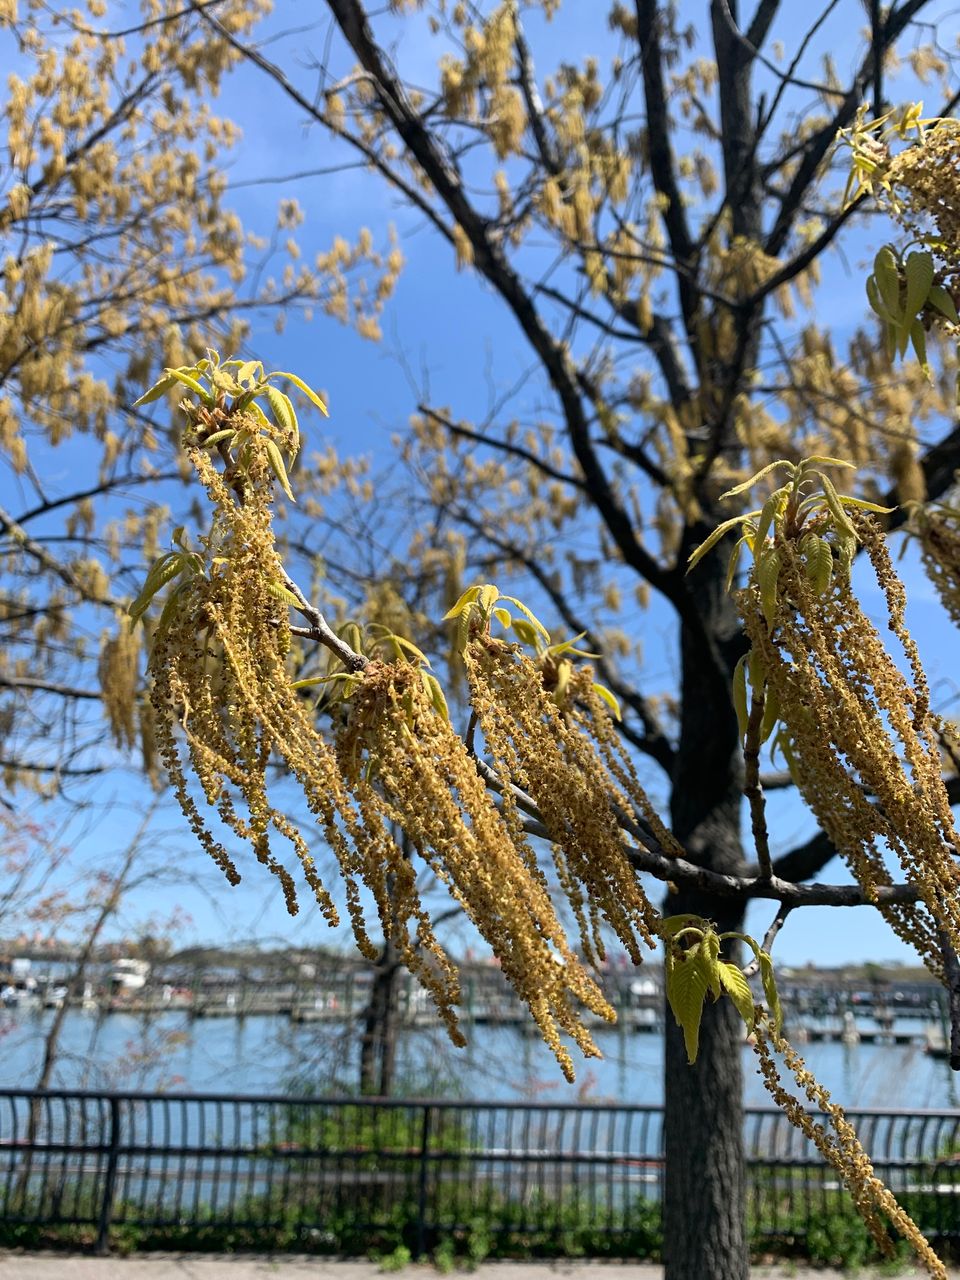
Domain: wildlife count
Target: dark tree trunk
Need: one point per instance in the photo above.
(703, 1208)
(381, 1018)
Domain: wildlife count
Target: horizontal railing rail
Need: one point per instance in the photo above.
(348, 1174)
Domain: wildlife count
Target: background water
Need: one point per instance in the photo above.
(269, 1054)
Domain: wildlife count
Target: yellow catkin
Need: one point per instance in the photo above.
(118, 674)
(547, 754)
(939, 535)
(835, 1139)
(406, 766)
(226, 712)
(863, 740)
(929, 178)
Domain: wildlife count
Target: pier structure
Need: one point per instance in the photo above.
(902, 1007)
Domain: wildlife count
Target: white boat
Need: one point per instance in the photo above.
(128, 974)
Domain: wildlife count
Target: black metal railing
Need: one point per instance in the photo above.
(343, 1174)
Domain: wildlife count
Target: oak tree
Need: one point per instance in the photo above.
(655, 226)
(654, 220)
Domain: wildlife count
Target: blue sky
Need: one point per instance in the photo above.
(451, 332)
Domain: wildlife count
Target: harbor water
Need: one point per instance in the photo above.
(270, 1054)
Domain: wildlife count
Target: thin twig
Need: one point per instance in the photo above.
(768, 939)
(751, 786)
(320, 630)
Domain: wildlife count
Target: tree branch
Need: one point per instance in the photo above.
(22, 539)
(490, 260)
(46, 686)
(515, 450)
(760, 25)
(768, 940)
(816, 147)
(531, 97)
(662, 167)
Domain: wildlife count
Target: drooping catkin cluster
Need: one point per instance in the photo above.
(405, 765)
(929, 175)
(862, 739)
(218, 670)
(835, 1139)
(219, 673)
(938, 532)
(118, 675)
(580, 781)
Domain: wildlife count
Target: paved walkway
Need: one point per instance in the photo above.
(165, 1266)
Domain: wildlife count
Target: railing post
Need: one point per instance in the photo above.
(110, 1179)
(421, 1244)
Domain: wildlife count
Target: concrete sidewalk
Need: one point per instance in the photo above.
(193, 1266)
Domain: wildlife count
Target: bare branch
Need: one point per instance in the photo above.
(768, 940)
(760, 25)
(490, 260)
(503, 446)
(751, 784)
(662, 166)
(22, 539)
(320, 630)
(46, 686)
(534, 105)
(817, 146)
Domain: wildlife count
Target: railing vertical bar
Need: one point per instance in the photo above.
(421, 1238)
(110, 1181)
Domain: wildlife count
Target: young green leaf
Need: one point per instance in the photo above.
(468, 597)
(772, 996)
(163, 570)
(862, 504)
(768, 514)
(709, 957)
(919, 340)
(740, 694)
(307, 391)
(918, 268)
(817, 460)
(942, 300)
(755, 479)
(887, 275)
(710, 542)
(671, 926)
(818, 560)
(738, 989)
(687, 983)
(768, 578)
(191, 384)
(282, 410)
(156, 391)
(877, 304)
(844, 527)
(564, 672)
(734, 562)
(279, 470)
(604, 694)
(432, 686)
(771, 713)
(534, 621)
(247, 371)
(280, 592)
(219, 437)
(527, 634)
